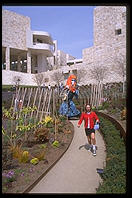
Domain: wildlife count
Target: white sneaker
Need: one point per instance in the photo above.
(94, 152)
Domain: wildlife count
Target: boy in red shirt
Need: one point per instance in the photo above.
(89, 117)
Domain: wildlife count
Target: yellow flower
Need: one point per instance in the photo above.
(48, 119)
(14, 135)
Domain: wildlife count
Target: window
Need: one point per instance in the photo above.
(118, 31)
(54, 60)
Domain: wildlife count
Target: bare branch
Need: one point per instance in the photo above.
(57, 77)
(39, 79)
(99, 72)
(80, 74)
(120, 66)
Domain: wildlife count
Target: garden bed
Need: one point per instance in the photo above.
(21, 176)
(116, 116)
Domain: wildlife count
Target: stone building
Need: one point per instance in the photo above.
(26, 52)
(109, 41)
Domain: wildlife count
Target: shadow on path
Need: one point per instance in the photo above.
(86, 146)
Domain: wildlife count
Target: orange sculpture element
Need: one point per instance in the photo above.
(71, 83)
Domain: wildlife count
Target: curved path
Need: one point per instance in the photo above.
(76, 171)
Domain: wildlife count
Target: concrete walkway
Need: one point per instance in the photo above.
(75, 172)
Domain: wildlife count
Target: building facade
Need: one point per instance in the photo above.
(109, 40)
(26, 52)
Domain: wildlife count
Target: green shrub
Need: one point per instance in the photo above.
(105, 105)
(114, 176)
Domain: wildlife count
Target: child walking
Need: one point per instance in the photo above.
(89, 118)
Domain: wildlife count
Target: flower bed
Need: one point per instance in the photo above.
(24, 161)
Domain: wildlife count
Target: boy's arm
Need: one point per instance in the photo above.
(96, 118)
(81, 119)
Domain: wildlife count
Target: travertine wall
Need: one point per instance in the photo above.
(107, 45)
(106, 20)
(28, 79)
(14, 30)
(8, 78)
(62, 58)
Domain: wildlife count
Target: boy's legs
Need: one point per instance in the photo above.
(89, 141)
(93, 140)
(89, 138)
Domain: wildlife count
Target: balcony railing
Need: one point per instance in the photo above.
(42, 46)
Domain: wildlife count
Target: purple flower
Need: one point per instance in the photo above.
(11, 173)
(9, 176)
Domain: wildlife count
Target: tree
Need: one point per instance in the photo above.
(80, 74)
(120, 68)
(58, 77)
(99, 72)
(39, 79)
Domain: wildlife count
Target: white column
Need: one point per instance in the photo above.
(34, 63)
(42, 64)
(29, 61)
(7, 57)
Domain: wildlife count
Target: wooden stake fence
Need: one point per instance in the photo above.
(44, 103)
(39, 103)
(87, 94)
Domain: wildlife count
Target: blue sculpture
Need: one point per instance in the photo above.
(68, 107)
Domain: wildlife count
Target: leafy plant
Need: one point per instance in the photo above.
(105, 105)
(24, 157)
(40, 156)
(41, 134)
(16, 151)
(62, 118)
(22, 125)
(55, 143)
(8, 113)
(34, 161)
(43, 146)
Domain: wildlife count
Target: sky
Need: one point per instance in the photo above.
(71, 26)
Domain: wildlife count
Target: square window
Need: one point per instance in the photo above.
(118, 31)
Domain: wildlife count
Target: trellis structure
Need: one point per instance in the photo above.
(47, 100)
(39, 97)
